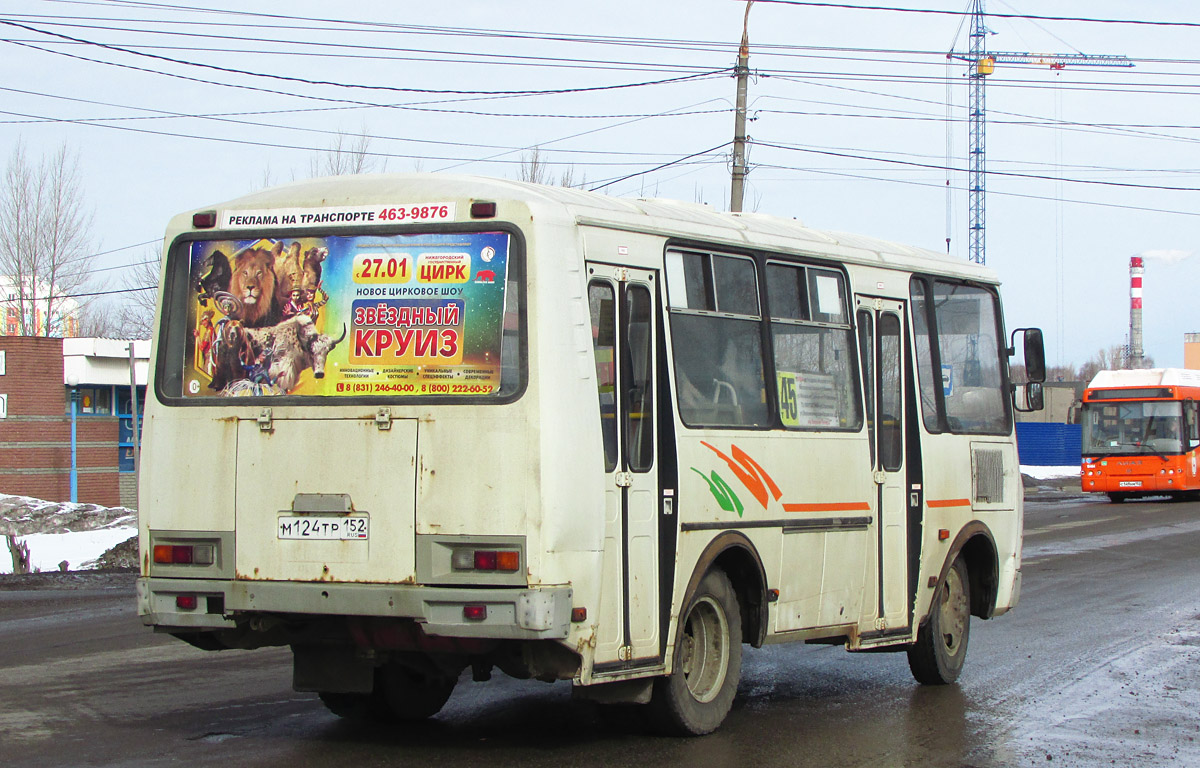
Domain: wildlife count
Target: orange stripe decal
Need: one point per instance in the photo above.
(935, 503)
(835, 506)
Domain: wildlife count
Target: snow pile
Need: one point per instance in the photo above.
(62, 531)
(1051, 473)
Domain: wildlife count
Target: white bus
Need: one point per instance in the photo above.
(409, 425)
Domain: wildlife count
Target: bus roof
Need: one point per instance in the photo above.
(1146, 377)
(670, 218)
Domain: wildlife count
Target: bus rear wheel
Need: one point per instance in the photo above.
(414, 692)
(941, 649)
(359, 707)
(403, 693)
(1118, 498)
(695, 698)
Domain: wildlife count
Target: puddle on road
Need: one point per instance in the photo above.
(214, 738)
(1034, 552)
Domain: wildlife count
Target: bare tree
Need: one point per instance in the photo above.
(45, 243)
(100, 320)
(1114, 358)
(535, 170)
(347, 154)
(19, 551)
(136, 316)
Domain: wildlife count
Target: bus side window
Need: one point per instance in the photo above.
(638, 384)
(924, 344)
(1193, 424)
(813, 348)
(891, 401)
(602, 303)
(866, 350)
(716, 339)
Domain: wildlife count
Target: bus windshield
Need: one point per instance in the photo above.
(1132, 428)
(413, 315)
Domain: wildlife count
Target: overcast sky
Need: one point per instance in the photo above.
(855, 115)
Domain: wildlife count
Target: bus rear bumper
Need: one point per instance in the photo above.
(525, 613)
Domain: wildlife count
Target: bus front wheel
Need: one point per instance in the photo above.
(941, 648)
(695, 698)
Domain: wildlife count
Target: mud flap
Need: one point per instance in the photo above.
(328, 669)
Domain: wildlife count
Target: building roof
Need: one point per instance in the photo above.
(90, 362)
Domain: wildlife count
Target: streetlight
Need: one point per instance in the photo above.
(73, 383)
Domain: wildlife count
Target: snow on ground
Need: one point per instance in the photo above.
(80, 548)
(58, 531)
(1050, 473)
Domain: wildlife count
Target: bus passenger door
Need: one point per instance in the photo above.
(881, 346)
(623, 321)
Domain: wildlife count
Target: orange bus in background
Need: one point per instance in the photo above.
(1141, 434)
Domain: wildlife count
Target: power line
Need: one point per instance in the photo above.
(276, 145)
(362, 86)
(124, 266)
(941, 186)
(1026, 16)
(165, 114)
(1011, 174)
(660, 167)
(642, 43)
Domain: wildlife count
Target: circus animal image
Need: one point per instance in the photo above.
(213, 277)
(231, 353)
(253, 285)
(290, 348)
(294, 271)
(485, 276)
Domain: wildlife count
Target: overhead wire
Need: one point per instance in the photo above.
(1009, 174)
(993, 15)
(365, 86)
(940, 185)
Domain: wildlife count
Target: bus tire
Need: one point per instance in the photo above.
(695, 698)
(359, 707)
(414, 693)
(1118, 498)
(941, 648)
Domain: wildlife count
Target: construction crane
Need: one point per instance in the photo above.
(982, 63)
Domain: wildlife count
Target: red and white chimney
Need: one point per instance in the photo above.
(1136, 268)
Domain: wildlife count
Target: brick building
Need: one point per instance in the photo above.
(37, 378)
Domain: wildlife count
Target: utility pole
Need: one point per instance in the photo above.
(982, 64)
(739, 118)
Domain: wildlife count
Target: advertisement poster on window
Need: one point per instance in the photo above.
(404, 315)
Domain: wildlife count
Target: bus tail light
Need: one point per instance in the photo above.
(204, 220)
(475, 612)
(508, 560)
(183, 554)
(186, 602)
(483, 209)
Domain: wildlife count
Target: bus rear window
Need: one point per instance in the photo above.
(415, 315)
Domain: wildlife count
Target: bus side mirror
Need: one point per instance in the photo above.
(1028, 397)
(1034, 352)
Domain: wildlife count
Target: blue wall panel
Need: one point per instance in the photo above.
(1049, 445)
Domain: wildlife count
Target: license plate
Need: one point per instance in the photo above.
(1131, 483)
(324, 527)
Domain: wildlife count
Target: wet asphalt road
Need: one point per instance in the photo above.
(1098, 666)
